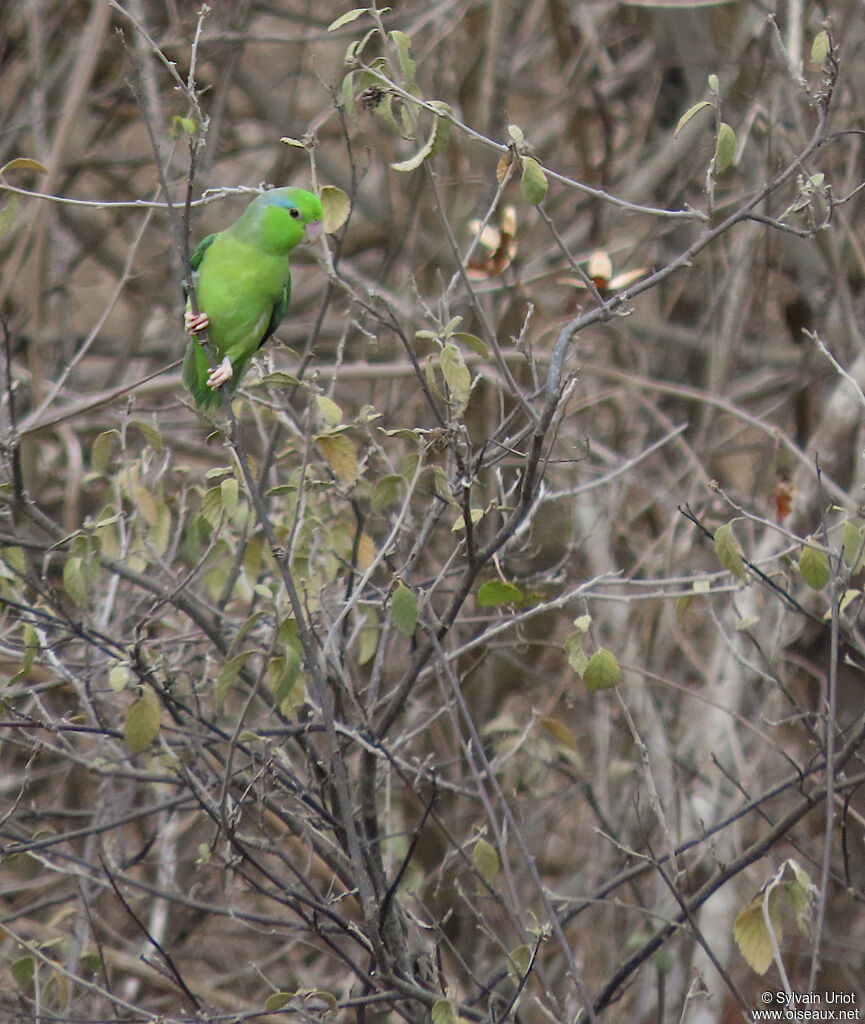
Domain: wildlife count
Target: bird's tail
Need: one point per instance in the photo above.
(195, 371)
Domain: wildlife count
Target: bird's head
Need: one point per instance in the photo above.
(287, 217)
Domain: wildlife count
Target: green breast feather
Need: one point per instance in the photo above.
(243, 288)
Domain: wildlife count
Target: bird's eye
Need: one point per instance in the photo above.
(294, 212)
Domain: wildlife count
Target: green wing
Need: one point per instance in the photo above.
(278, 313)
(200, 249)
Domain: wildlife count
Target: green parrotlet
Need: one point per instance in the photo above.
(243, 288)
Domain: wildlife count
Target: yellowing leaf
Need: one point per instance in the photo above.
(602, 671)
(814, 567)
(560, 732)
(335, 206)
(23, 163)
(146, 503)
(752, 935)
(404, 610)
(727, 551)
(689, 113)
(142, 722)
(725, 148)
(533, 182)
(341, 456)
(485, 860)
(366, 551)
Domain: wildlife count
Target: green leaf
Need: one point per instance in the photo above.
(142, 722)
(100, 451)
(228, 673)
(386, 492)
(497, 592)
(801, 894)
(820, 48)
(9, 214)
(725, 148)
(278, 379)
(31, 649)
(74, 581)
(348, 95)
(211, 505)
(406, 65)
(457, 377)
(577, 657)
(286, 681)
(533, 181)
(404, 610)
(150, 433)
(23, 971)
(331, 413)
(727, 551)
(519, 959)
(515, 134)
(434, 144)
(183, 126)
(485, 860)
(444, 1012)
(118, 677)
(347, 18)
(814, 567)
(474, 343)
(229, 495)
(852, 546)
(689, 113)
(278, 1000)
(335, 206)
(475, 516)
(602, 671)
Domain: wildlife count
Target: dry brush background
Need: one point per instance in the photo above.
(292, 717)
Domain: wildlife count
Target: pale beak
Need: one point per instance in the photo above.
(313, 231)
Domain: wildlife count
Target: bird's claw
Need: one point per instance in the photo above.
(195, 322)
(221, 374)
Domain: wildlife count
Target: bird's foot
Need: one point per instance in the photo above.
(221, 374)
(195, 322)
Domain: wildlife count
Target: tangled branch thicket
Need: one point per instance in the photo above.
(498, 655)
